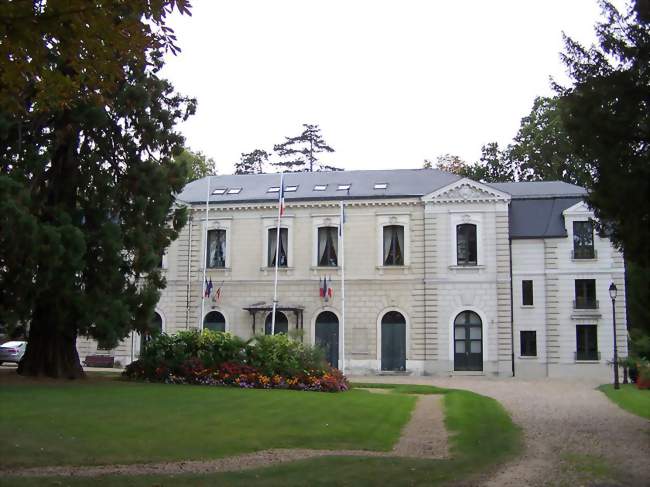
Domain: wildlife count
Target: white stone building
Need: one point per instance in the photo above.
(443, 275)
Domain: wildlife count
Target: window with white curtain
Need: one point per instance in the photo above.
(393, 244)
(216, 256)
(328, 240)
(283, 248)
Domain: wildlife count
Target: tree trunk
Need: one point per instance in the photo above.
(51, 352)
(51, 348)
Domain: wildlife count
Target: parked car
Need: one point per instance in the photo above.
(12, 351)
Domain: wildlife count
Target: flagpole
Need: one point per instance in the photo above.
(205, 252)
(277, 253)
(342, 223)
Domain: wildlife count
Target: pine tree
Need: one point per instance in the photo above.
(299, 153)
(607, 117)
(87, 179)
(252, 162)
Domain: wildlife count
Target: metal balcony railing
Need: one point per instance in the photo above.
(586, 355)
(584, 253)
(585, 303)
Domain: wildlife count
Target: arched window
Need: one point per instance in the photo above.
(393, 245)
(214, 321)
(281, 323)
(466, 244)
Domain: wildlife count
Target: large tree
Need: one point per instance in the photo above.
(87, 180)
(542, 151)
(299, 153)
(197, 163)
(607, 116)
(252, 162)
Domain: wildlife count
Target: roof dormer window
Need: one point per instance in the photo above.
(234, 191)
(320, 187)
(273, 189)
(290, 189)
(343, 187)
(381, 185)
(219, 191)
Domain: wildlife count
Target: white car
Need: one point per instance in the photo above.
(12, 351)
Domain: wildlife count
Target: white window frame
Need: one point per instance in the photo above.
(219, 224)
(459, 219)
(386, 220)
(272, 222)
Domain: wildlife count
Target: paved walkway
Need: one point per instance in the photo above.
(560, 419)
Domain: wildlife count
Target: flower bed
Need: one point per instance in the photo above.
(221, 359)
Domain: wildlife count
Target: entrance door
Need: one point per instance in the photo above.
(327, 336)
(468, 342)
(214, 321)
(393, 341)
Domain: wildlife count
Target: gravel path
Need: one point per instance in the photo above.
(559, 419)
(424, 436)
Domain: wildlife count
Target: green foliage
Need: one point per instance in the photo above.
(196, 164)
(606, 113)
(278, 354)
(87, 181)
(542, 150)
(299, 152)
(640, 343)
(252, 162)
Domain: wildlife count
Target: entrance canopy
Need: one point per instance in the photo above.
(264, 308)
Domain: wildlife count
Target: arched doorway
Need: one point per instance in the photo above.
(214, 321)
(155, 329)
(327, 336)
(393, 341)
(468, 341)
(281, 323)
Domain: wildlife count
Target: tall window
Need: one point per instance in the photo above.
(586, 294)
(283, 249)
(583, 240)
(328, 238)
(528, 343)
(527, 293)
(586, 342)
(394, 245)
(216, 256)
(466, 244)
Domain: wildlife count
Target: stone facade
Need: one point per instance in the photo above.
(430, 290)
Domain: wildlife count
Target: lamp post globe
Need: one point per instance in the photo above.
(612, 294)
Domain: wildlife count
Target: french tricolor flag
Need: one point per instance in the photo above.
(281, 195)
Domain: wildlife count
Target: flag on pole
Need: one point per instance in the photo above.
(208, 288)
(281, 197)
(342, 222)
(325, 291)
(330, 290)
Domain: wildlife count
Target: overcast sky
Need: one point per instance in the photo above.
(389, 82)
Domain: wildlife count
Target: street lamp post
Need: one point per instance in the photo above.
(612, 294)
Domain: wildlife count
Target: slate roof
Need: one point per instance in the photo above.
(401, 183)
(535, 209)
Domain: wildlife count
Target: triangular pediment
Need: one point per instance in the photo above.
(580, 208)
(466, 191)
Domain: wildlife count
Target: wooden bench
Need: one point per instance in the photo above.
(99, 361)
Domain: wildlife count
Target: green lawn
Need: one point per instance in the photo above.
(630, 398)
(107, 421)
(481, 435)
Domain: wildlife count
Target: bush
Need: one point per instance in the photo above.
(643, 379)
(222, 359)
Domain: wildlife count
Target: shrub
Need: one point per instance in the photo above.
(221, 359)
(643, 379)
